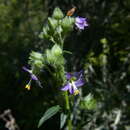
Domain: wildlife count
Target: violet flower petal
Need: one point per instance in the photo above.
(66, 87)
(26, 69)
(80, 19)
(71, 90)
(81, 23)
(34, 77)
(80, 26)
(68, 76)
(78, 74)
(80, 82)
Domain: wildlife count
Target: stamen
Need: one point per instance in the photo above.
(76, 92)
(28, 87)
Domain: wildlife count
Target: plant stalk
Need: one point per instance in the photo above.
(68, 111)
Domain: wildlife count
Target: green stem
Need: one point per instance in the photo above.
(67, 101)
(52, 39)
(61, 40)
(66, 93)
(68, 110)
(69, 124)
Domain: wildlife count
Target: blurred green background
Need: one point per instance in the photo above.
(21, 22)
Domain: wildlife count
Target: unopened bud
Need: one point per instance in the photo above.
(57, 14)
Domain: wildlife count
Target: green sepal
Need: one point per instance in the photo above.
(57, 13)
(53, 23)
(67, 23)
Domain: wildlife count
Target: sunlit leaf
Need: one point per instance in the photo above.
(48, 114)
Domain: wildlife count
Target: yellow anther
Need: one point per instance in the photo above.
(76, 92)
(28, 87)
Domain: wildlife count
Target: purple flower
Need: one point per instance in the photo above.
(32, 77)
(81, 23)
(74, 81)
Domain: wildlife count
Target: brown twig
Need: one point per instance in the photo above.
(9, 120)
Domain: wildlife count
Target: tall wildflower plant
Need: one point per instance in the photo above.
(56, 30)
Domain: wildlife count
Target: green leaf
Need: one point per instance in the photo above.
(62, 120)
(68, 52)
(48, 114)
(89, 102)
(103, 41)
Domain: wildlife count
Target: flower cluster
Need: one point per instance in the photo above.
(56, 30)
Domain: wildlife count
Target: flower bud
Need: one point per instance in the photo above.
(38, 63)
(36, 59)
(36, 55)
(53, 23)
(57, 14)
(67, 23)
(50, 58)
(45, 32)
(56, 50)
